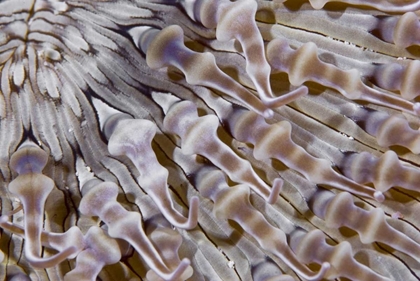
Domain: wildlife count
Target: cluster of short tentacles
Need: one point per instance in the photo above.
(209, 140)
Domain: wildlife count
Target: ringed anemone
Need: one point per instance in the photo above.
(209, 140)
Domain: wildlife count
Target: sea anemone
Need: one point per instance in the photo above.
(209, 140)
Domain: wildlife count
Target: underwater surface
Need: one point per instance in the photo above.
(209, 140)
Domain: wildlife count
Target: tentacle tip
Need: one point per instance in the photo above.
(4, 219)
(416, 108)
(324, 268)
(315, 276)
(194, 201)
(317, 5)
(302, 91)
(179, 271)
(379, 196)
(321, 273)
(275, 191)
(193, 212)
(285, 98)
(268, 113)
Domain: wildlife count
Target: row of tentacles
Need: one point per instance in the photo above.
(132, 138)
